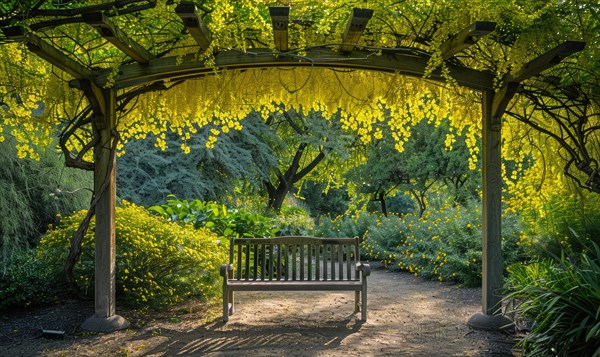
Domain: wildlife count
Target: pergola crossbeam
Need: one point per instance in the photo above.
(356, 26)
(114, 35)
(47, 52)
(188, 66)
(466, 38)
(280, 16)
(547, 60)
(188, 12)
(501, 100)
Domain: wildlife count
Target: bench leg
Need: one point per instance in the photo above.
(225, 303)
(231, 303)
(363, 308)
(356, 301)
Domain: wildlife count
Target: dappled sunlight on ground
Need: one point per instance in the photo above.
(406, 316)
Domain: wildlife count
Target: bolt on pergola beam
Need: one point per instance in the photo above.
(47, 52)
(114, 35)
(356, 26)
(188, 12)
(280, 16)
(466, 38)
(547, 60)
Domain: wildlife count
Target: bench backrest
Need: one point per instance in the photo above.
(294, 258)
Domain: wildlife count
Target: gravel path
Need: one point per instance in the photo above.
(407, 316)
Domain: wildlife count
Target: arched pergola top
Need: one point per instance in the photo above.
(141, 67)
(406, 61)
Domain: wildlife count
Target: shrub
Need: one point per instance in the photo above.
(355, 225)
(29, 281)
(562, 296)
(567, 222)
(444, 244)
(158, 262)
(293, 221)
(216, 217)
(321, 198)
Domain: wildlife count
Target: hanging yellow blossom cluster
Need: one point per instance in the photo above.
(224, 99)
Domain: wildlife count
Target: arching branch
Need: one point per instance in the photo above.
(571, 111)
(76, 240)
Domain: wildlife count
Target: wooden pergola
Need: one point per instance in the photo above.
(145, 71)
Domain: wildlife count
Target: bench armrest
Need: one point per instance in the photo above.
(364, 267)
(225, 269)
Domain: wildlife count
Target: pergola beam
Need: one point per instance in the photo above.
(47, 52)
(466, 38)
(356, 26)
(547, 60)
(188, 12)
(534, 67)
(114, 35)
(392, 61)
(280, 16)
(501, 100)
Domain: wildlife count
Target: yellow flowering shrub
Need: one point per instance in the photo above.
(444, 244)
(159, 263)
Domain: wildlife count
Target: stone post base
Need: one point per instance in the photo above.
(105, 324)
(481, 321)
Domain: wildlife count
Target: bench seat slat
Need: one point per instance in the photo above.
(295, 285)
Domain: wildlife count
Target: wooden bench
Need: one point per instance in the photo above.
(295, 264)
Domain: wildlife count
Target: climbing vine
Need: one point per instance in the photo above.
(36, 98)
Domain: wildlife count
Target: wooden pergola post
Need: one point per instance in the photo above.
(491, 318)
(494, 104)
(105, 318)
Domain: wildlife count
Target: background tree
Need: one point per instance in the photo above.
(304, 141)
(424, 163)
(324, 198)
(148, 174)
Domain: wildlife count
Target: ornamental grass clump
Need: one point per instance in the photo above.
(562, 297)
(159, 263)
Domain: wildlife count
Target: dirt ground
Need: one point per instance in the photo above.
(407, 316)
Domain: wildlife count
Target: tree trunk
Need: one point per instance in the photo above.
(277, 195)
(421, 200)
(381, 199)
(285, 182)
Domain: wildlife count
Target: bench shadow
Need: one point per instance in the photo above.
(241, 339)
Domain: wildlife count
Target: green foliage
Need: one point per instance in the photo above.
(28, 280)
(562, 296)
(159, 263)
(444, 244)
(566, 223)
(424, 163)
(305, 140)
(31, 194)
(354, 225)
(216, 217)
(294, 221)
(321, 198)
(147, 174)
(398, 204)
